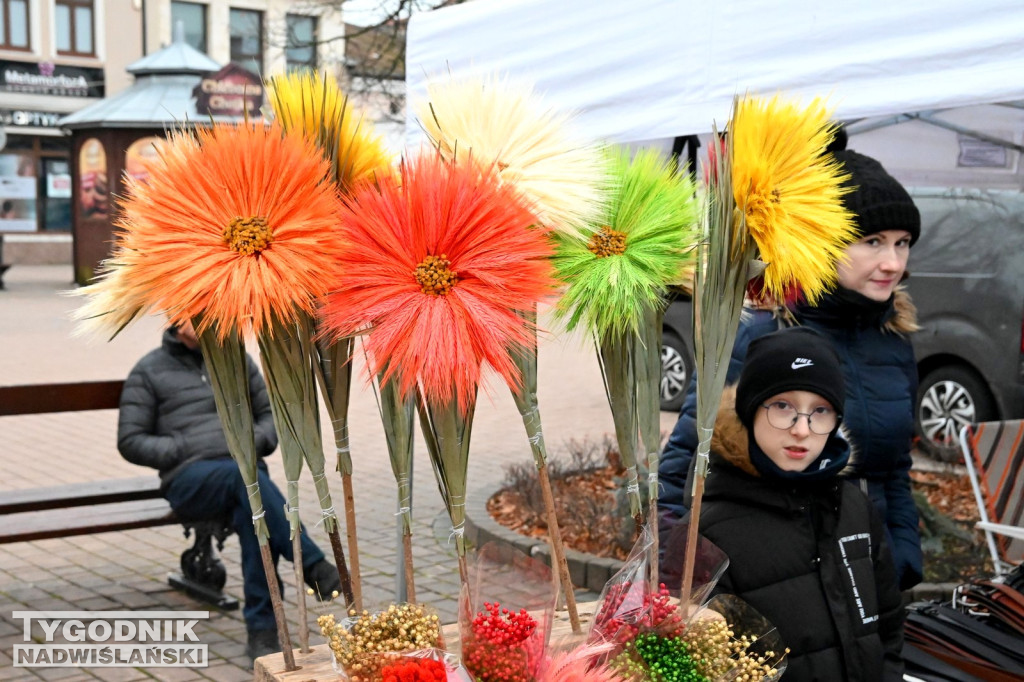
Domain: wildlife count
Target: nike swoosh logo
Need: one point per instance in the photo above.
(797, 364)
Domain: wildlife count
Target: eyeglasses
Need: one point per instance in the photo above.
(782, 415)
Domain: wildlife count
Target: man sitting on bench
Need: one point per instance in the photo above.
(168, 421)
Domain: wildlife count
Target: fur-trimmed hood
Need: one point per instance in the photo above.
(729, 441)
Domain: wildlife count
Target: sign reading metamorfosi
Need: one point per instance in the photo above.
(232, 91)
(47, 78)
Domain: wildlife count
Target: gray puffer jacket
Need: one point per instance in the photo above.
(168, 416)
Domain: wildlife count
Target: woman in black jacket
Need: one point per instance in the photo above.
(868, 319)
(806, 550)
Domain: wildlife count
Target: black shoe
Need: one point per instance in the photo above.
(261, 643)
(322, 578)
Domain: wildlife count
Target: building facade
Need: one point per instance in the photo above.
(60, 56)
(56, 57)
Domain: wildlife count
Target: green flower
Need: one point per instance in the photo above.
(643, 241)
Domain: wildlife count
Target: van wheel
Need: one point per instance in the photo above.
(676, 368)
(948, 399)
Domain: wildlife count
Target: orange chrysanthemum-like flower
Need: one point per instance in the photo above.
(235, 225)
(438, 262)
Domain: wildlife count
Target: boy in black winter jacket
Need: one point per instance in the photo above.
(806, 549)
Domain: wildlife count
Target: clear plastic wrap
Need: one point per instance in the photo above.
(505, 615)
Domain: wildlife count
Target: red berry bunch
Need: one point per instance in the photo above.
(498, 625)
(415, 670)
(500, 648)
(630, 608)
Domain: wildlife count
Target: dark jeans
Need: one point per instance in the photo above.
(214, 489)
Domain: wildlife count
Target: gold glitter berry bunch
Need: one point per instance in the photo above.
(716, 651)
(356, 640)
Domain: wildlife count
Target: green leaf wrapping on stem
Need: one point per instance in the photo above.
(279, 372)
(647, 358)
(720, 285)
(526, 396)
(335, 375)
(615, 353)
(447, 432)
(288, 364)
(229, 379)
(397, 414)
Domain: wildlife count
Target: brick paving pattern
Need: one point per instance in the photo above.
(127, 570)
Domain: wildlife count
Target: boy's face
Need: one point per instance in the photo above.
(795, 447)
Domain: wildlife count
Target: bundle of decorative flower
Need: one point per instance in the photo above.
(630, 607)
(439, 266)
(422, 665)
(718, 652)
(617, 281)
(505, 614)
(773, 213)
(356, 640)
(494, 121)
(502, 646)
(313, 104)
(247, 249)
(580, 665)
(414, 670)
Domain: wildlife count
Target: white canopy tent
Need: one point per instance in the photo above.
(646, 69)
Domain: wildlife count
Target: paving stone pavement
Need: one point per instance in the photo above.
(127, 570)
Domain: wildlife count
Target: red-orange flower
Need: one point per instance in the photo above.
(235, 224)
(438, 262)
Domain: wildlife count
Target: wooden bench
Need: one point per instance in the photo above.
(107, 505)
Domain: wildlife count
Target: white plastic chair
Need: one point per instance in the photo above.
(994, 455)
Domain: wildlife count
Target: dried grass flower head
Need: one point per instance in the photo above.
(789, 192)
(438, 262)
(643, 243)
(236, 225)
(314, 104)
(496, 120)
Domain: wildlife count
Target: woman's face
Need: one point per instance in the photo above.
(875, 263)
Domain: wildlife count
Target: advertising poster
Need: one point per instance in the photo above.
(139, 153)
(93, 187)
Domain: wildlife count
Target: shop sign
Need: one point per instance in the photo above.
(28, 117)
(47, 78)
(232, 91)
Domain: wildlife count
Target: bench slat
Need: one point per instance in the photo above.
(79, 494)
(50, 398)
(59, 523)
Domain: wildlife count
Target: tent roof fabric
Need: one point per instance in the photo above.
(649, 69)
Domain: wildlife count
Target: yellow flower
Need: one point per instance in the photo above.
(315, 105)
(789, 192)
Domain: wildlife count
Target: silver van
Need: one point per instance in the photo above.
(967, 280)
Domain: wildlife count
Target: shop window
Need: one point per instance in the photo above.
(17, 192)
(14, 24)
(300, 46)
(75, 27)
(246, 28)
(193, 16)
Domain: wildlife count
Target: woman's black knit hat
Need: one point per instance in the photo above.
(792, 359)
(877, 200)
